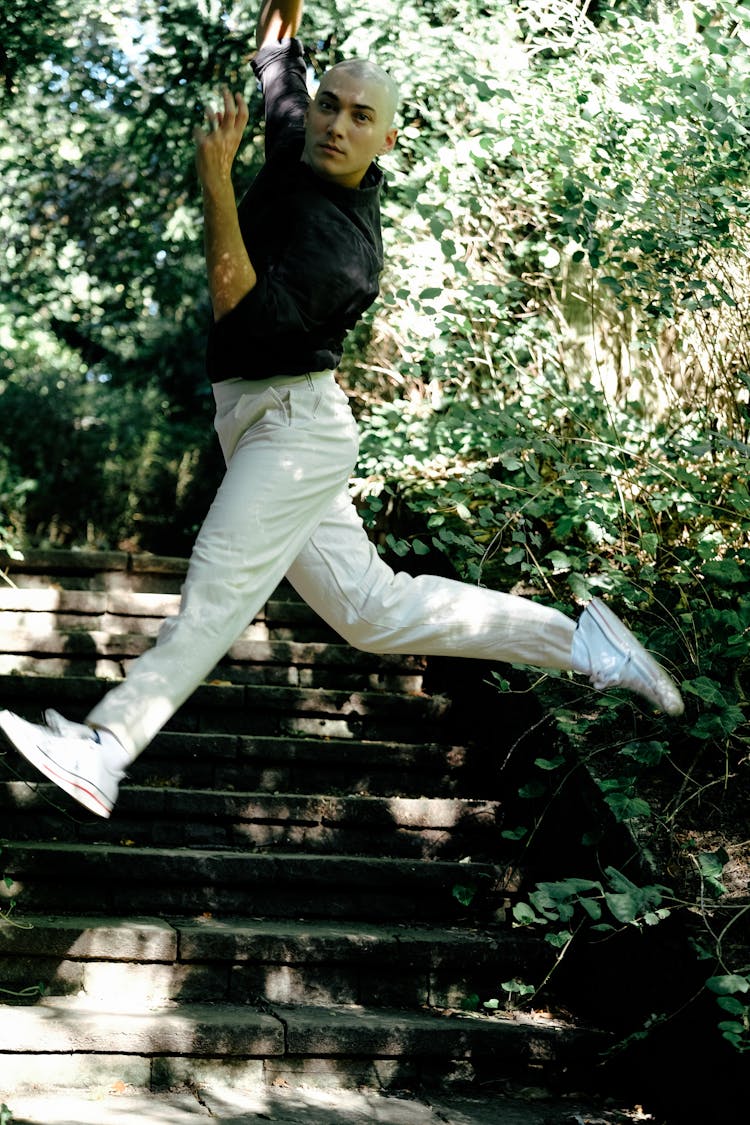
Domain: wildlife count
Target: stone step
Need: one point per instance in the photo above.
(65, 1043)
(49, 629)
(224, 707)
(422, 827)
(54, 651)
(48, 607)
(51, 876)
(149, 961)
(55, 605)
(91, 570)
(269, 764)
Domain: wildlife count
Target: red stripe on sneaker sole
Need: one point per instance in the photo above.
(68, 783)
(74, 787)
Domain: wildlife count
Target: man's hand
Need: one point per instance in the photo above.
(277, 20)
(216, 147)
(231, 274)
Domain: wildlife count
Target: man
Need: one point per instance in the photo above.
(290, 271)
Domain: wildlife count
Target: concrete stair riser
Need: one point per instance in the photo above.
(152, 962)
(52, 644)
(29, 611)
(55, 876)
(92, 569)
(427, 828)
(345, 1046)
(252, 709)
(303, 765)
(115, 667)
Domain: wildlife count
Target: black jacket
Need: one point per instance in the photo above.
(315, 246)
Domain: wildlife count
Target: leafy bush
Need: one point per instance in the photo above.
(563, 404)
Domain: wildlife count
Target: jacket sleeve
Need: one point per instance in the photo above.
(283, 77)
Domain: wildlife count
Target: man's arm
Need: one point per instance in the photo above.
(230, 272)
(231, 275)
(278, 19)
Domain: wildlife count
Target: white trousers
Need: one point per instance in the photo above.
(283, 508)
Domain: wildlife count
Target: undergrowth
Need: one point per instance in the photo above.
(558, 495)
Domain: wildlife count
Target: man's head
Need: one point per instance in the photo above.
(350, 121)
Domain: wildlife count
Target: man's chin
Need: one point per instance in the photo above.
(327, 170)
(330, 168)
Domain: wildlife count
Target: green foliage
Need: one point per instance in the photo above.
(727, 987)
(6, 1117)
(655, 236)
(627, 903)
(542, 266)
(464, 893)
(586, 433)
(514, 991)
(558, 203)
(569, 908)
(103, 314)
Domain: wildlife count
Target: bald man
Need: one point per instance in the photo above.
(290, 270)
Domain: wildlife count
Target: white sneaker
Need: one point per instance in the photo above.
(58, 724)
(607, 652)
(76, 762)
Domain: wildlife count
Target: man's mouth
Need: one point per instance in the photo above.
(331, 148)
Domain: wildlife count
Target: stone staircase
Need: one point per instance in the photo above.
(273, 899)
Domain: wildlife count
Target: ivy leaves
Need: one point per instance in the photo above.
(625, 902)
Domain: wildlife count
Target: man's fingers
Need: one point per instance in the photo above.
(242, 111)
(235, 108)
(234, 114)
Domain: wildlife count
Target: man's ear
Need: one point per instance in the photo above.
(390, 140)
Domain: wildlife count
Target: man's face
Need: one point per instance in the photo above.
(347, 125)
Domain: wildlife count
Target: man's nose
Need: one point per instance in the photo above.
(336, 125)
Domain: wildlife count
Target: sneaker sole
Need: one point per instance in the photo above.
(669, 699)
(22, 736)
